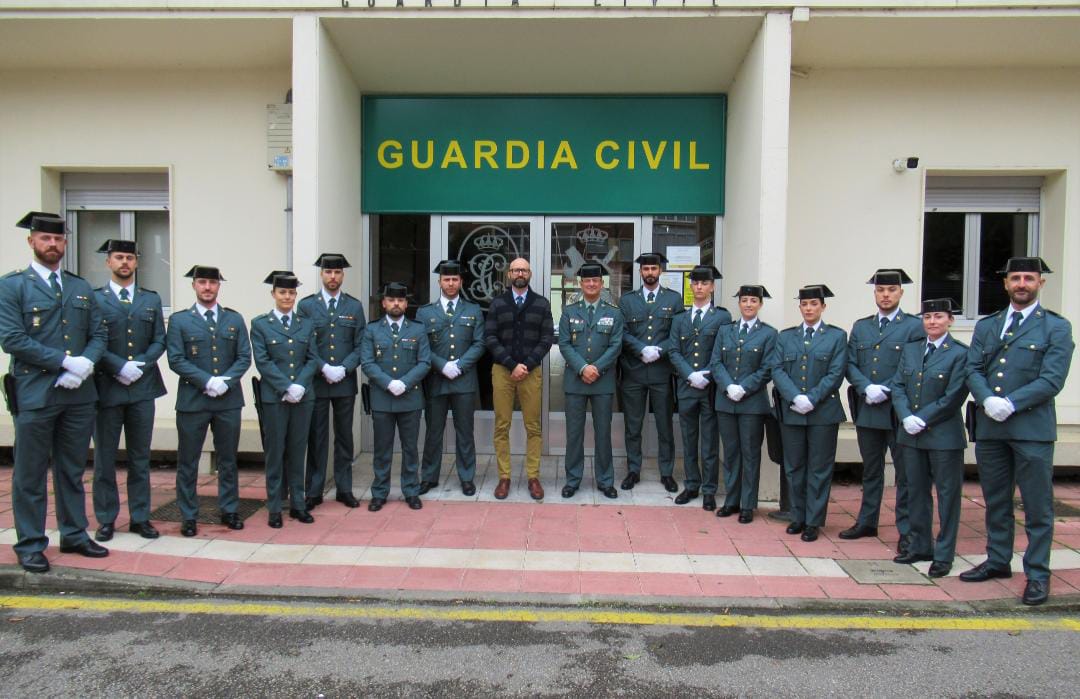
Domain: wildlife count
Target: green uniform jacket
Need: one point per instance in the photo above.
(582, 344)
(337, 341)
(873, 357)
(136, 333)
(745, 364)
(284, 357)
(1030, 369)
(384, 357)
(691, 350)
(934, 392)
(815, 370)
(460, 337)
(648, 324)
(38, 331)
(197, 354)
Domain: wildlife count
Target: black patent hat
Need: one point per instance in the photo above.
(753, 290)
(115, 245)
(890, 277)
(204, 272)
(815, 291)
(332, 260)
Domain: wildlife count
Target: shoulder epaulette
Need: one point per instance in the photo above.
(142, 290)
(609, 303)
(70, 274)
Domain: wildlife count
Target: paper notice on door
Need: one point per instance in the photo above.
(683, 256)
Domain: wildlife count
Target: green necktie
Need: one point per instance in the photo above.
(1017, 316)
(697, 319)
(809, 334)
(394, 329)
(884, 322)
(332, 306)
(449, 308)
(591, 309)
(651, 297)
(744, 329)
(54, 282)
(930, 349)
(124, 296)
(285, 322)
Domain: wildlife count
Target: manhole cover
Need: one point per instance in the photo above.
(208, 510)
(878, 572)
(1061, 509)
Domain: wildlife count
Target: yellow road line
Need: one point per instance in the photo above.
(479, 614)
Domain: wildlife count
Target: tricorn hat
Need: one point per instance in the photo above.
(204, 272)
(705, 273)
(450, 267)
(282, 279)
(43, 222)
(1026, 264)
(590, 270)
(115, 245)
(651, 258)
(753, 290)
(890, 277)
(940, 306)
(332, 260)
(395, 290)
(815, 291)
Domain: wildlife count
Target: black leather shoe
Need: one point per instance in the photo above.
(413, 501)
(143, 529)
(1036, 592)
(232, 520)
(727, 510)
(275, 520)
(610, 492)
(795, 527)
(810, 534)
(346, 499)
(939, 569)
(984, 571)
(685, 497)
(312, 502)
(669, 484)
(779, 515)
(425, 486)
(708, 502)
(34, 562)
(746, 516)
(468, 488)
(376, 504)
(630, 481)
(105, 532)
(302, 516)
(188, 528)
(903, 545)
(568, 491)
(912, 557)
(858, 532)
(87, 548)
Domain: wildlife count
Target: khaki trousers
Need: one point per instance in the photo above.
(528, 394)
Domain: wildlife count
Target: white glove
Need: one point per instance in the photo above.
(216, 386)
(69, 381)
(914, 425)
(396, 387)
(698, 379)
(294, 393)
(80, 366)
(998, 408)
(450, 370)
(802, 404)
(650, 354)
(875, 394)
(735, 392)
(333, 374)
(130, 372)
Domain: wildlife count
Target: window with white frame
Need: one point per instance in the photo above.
(971, 227)
(127, 206)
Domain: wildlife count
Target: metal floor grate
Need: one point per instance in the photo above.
(208, 510)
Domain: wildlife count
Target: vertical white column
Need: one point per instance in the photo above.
(305, 90)
(775, 109)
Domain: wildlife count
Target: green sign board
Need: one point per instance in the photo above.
(544, 154)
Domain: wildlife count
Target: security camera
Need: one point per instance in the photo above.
(909, 163)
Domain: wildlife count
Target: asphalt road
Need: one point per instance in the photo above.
(179, 648)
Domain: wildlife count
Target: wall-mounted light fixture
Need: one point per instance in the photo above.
(903, 164)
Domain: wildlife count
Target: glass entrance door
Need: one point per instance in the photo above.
(571, 241)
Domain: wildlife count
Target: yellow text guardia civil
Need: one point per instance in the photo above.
(520, 155)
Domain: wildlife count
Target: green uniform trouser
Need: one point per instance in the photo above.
(191, 434)
(635, 395)
(603, 469)
(697, 421)
(319, 445)
(944, 469)
(741, 435)
(407, 426)
(1003, 465)
(464, 406)
(872, 445)
(809, 458)
(137, 422)
(285, 441)
(62, 432)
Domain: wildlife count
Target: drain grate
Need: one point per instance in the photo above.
(1061, 509)
(208, 510)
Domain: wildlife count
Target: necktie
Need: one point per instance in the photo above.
(124, 296)
(743, 331)
(285, 322)
(809, 334)
(591, 309)
(930, 349)
(651, 297)
(884, 322)
(449, 308)
(54, 282)
(209, 318)
(520, 302)
(394, 329)
(1017, 316)
(697, 319)
(332, 306)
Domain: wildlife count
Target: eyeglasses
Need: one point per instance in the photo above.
(519, 271)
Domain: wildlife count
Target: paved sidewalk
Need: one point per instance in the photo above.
(638, 548)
